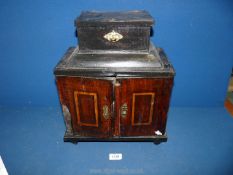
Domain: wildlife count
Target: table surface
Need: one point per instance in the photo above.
(200, 141)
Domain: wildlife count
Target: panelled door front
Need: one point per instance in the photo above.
(90, 104)
(138, 104)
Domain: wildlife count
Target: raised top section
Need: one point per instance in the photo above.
(155, 64)
(136, 17)
(114, 31)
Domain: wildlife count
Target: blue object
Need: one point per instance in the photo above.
(196, 35)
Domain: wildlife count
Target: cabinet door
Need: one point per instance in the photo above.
(141, 108)
(90, 104)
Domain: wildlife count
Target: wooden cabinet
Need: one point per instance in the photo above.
(116, 85)
(115, 108)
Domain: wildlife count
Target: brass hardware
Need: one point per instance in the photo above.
(124, 109)
(117, 83)
(113, 36)
(105, 112)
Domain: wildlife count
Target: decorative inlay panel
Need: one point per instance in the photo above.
(142, 108)
(86, 108)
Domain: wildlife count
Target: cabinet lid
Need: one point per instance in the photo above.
(95, 18)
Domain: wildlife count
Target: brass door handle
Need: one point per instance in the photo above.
(124, 109)
(106, 112)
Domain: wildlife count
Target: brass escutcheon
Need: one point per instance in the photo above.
(113, 36)
(105, 112)
(124, 109)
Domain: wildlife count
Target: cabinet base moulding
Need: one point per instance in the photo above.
(77, 138)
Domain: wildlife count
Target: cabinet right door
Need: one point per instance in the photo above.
(142, 105)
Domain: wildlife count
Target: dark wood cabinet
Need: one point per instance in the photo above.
(114, 90)
(115, 108)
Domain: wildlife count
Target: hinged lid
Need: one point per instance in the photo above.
(94, 18)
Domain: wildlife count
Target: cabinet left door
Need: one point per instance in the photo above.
(87, 105)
